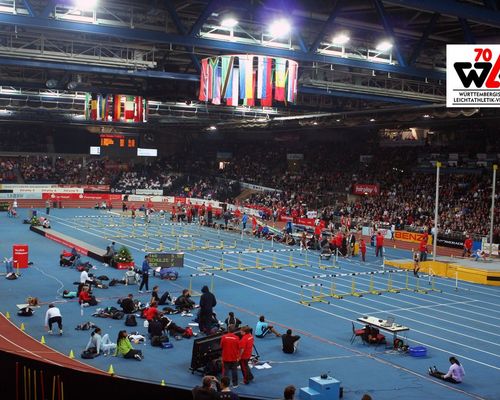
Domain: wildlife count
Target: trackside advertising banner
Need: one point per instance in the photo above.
(413, 237)
(472, 75)
(365, 189)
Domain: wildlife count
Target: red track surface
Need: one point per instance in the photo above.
(13, 340)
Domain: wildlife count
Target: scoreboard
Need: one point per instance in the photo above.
(166, 260)
(116, 144)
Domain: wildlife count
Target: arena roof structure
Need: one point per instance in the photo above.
(358, 60)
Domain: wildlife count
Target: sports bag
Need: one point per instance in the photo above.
(130, 320)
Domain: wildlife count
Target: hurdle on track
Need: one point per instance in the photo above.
(257, 265)
(200, 275)
(315, 297)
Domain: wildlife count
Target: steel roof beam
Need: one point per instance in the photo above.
(452, 8)
(218, 45)
(389, 30)
(468, 35)
(28, 6)
(51, 5)
(195, 29)
(362, 96)
(97, 70)
(182, 30)
(418, 48)
(326, 26)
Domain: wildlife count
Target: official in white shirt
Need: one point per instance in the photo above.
(53, 315)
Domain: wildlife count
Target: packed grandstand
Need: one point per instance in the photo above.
(331, 182)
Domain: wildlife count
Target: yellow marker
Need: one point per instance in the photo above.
(71, 354)
(22, 326)
(163, 383)
(111, 371)
(7, 315)
(42, 340)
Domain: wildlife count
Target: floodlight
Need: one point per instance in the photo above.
(86, 4)
(279, 28)
(372, 119)
(51, 83)
(229, 23)
(384, 45)
(213, 128)
(341, 39)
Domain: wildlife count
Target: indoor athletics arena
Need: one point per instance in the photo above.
(249, 199)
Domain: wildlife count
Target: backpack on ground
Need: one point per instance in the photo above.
(103, 278)
(118, 315)
(89, 354)
(188, 332)
(130, 320)
(25, 312)
(158, 340)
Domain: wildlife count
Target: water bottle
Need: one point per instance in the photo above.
(81, 309)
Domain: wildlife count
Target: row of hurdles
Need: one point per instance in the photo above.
(320, 292)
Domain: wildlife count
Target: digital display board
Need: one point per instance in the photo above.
(117, 144)
(166, 260)
(147, 152)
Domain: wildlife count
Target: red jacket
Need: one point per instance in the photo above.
(150, 313)
(84, 297)
(246, 346)
(230, 345)
(423, 245)
(380, 240)
(468, 243)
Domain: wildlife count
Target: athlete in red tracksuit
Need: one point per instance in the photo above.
(467, 247)
(362, 249)
(246, 348)
(379, 242)
(230, 345)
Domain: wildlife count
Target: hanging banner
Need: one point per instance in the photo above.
(248, 79)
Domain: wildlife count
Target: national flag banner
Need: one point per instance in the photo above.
(226, 79)
(88, 100)
(129, 108)
(203, 80)
(279, 93)
(472, 75)
(236, 86)
(242, 64)
(117, 107)
(260, 76)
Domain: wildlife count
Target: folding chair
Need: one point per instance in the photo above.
(356, 333)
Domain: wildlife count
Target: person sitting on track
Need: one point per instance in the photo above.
(163, 300)
(455, 373)
(184, 301)
(263, 328)
(128, 305)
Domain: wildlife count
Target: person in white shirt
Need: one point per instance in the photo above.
(85, 278)
(53, 315)
(455, 373)
(100, 343)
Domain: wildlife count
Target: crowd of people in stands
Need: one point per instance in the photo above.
(7, 167)
(321, 181)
